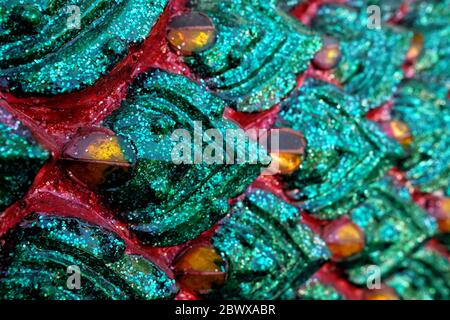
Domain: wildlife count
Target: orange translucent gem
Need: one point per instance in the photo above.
(286, 148)
(96, 157)
(103, 148)
(344, 239)
(329, 55)
(191, 33)
(381, 294)
(416, 47)
(200, 268)
(444, 225)
(401, 132)
(286, 163)
(444, 215)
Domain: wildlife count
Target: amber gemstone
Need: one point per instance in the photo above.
(329, 55)
(444, 225)
(415, 48)
(344, 238)
(287, 162)
(441, 211)
(399, 131)
(200, 268)
(444, 219)
(191, 33)
(385, 293)
(99, 159)
(286, 148)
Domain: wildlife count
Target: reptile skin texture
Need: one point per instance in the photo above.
(98, 97)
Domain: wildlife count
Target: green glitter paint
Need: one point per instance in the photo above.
(388, 8)
(44, 53)
(394, 227)
(165, 203)
(316, 290)
(35, 258)
(258, 53)
(431, 18)
(372, 59)
(287, 5)
(425, 108)
(20, 159)
(425, 275)
(253, 65)
(344, 152)
(269, 253)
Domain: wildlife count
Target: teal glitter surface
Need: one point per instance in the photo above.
(394, 227)
(388, 8)
(20, 159)
(269, 253)
(344, 152)
(425, 108)
(425, 275)
(287, 5)
(255, 61)
(44, 52)
(258, 53)
(372, 59)
(431, 18)
(35, 258)
(316, 290)
(167, 203)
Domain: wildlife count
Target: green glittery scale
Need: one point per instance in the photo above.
(269, 253)
(258, 53)
(372, 59)
(314, 289)
(431, 19)
(425, 108)
(36, 257)
(394, 227)
(388, 8)
(287, 5)
(52, 47)
(425, 275)
(167, 203)
(344, 152)
(166, 171)
(20, 159)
